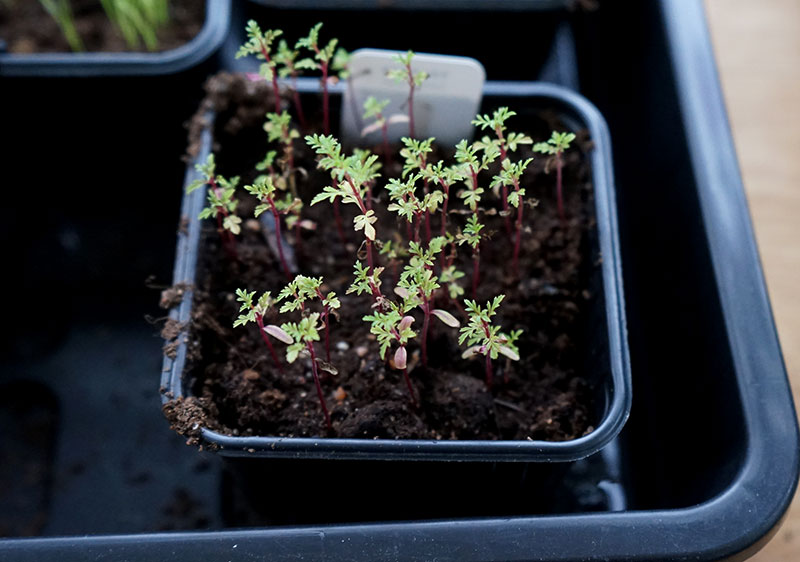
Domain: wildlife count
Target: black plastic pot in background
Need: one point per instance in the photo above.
(605, 357)
(81, 130)
(534, 39)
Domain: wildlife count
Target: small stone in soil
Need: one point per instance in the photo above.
(361, 351)
(342, 346)
(251, 375)
(252, 225)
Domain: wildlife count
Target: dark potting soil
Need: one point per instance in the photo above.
(236, 388)
(27, 28)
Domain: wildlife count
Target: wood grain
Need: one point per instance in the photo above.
(757, 47)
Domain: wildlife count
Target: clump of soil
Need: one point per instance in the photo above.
(27, 28)
(544, 396)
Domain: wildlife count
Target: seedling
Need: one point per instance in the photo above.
(302, 289)
(323, 57)
(446, 177)
(484, 338)
(352, 176)
(287, 57)
(510, 175)
(373, 109)
(418, 284)
(407, 75)
(303, 334)
(368, 281)
(470, 166)
(394, 327)
(61, 11)
(259, 43)
(505, 142)
(555, 147)
(221, 202)
(255, 313)
(278, 128)
(415, 153)
(264, 190)
(138, 19)
(406, 204)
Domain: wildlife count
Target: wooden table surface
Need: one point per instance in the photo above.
(757, 46)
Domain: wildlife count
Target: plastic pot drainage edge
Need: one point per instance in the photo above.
(618, 388)
(201, 47)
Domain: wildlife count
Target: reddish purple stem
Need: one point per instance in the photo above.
(320, 395)
(260, 322)
(278, 238)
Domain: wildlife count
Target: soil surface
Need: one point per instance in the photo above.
(27, 28)
(238, 390)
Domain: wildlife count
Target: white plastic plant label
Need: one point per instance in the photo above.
(444, 103)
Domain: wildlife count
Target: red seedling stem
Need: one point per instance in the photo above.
(326, 119)
(277, 218)
(518, 227)
(387, 151)
(476, 270)
(326, 314)
(559, 165)
(410, 387)
(488, 363)
(298, 104)
(426, 309)
(446, 189)
(228, 241)
(320, 394)
(411, 87)
(260, 322)
(364, 209)
(504, 156)
(337, 217)
(275, 90)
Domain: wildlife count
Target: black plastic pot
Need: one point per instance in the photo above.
(704, 469)
(535, 31)
(605, 361)
(105, 123)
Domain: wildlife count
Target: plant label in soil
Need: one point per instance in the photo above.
(444, 102)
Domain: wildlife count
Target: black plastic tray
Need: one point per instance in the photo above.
(704, 469)
(72, 65)
(607, 363)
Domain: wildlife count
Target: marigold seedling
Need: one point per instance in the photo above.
(255, 312)
(390, 327)
(470, 165)
(415, 155)
(303, 335)
(352, 177)
(418, 284)
(406, 204)
(445, 177)
(221, 202)
(555, 147)
(486, 339)
(287, 58)
(505, 142)
(259, 43)
(510, 175)
(264, 190)
(414, 80)
(373, 109)
(322, 60)
(302, 289)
